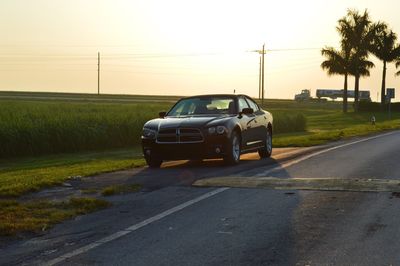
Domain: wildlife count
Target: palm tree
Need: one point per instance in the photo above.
(398, 65)
(385, 48)
(361, 67)
(358, 32)
(338, 63)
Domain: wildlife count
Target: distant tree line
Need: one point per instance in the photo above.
(360, 37)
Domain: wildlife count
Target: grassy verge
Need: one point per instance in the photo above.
(18, 177)
(16, 218)
(323, 129)
(26, 175)
(318, 138)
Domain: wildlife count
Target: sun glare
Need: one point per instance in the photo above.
(197, 44)
(227, 25)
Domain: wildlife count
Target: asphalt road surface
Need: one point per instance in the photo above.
(173, 223)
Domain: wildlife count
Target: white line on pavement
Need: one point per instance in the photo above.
(132, 228)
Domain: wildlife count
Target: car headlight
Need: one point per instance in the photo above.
(149, 133)
(221, 130)
(217, 130)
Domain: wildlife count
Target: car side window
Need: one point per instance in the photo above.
(252, 104)
(242, 104)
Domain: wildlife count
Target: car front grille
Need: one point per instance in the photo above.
(179, 135)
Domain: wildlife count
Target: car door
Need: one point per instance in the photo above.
(259, 125)
(248, 125)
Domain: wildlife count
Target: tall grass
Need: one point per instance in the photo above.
(43, 127)
(285, 122)
(30, 128)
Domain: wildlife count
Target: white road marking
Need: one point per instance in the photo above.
(133, 228)
(306, 157)
(225, 233)
(182, 206)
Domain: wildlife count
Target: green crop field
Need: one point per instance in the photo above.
(44, 127)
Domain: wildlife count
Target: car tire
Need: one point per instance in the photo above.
(153, 162)
(266, 151)
(232, 156)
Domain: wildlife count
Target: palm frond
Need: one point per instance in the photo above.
(334, 63)
(366, 64)
(384, 45)
(396, 52)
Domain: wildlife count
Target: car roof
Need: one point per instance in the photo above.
(217, 95)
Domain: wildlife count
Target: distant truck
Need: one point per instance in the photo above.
(305, 95)
(334, 94)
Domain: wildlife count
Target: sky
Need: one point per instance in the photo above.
(178, 47)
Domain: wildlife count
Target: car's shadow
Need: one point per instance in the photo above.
(213, 163)
(184, 173)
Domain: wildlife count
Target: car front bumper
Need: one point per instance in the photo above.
(211, 148)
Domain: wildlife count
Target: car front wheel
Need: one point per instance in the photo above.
(153, 162)
(232, 156)
(266, 151)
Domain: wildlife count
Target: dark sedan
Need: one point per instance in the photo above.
(207, 127)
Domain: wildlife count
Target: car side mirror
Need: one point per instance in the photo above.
(162, 114)
(247, 111)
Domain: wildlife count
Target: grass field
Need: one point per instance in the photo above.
(81, 135)
(47, 127)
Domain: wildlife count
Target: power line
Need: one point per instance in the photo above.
(19, 70)
(68, 45)
(57, 59)
(294, 49)
(147, 54)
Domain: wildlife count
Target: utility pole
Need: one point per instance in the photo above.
(261, 74)
(262, 79)
(98, 73)
(259, 80)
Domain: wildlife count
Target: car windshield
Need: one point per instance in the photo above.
(204, 106)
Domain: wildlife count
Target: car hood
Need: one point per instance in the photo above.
(187, 121)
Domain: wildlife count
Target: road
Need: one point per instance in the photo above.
(174, 223)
